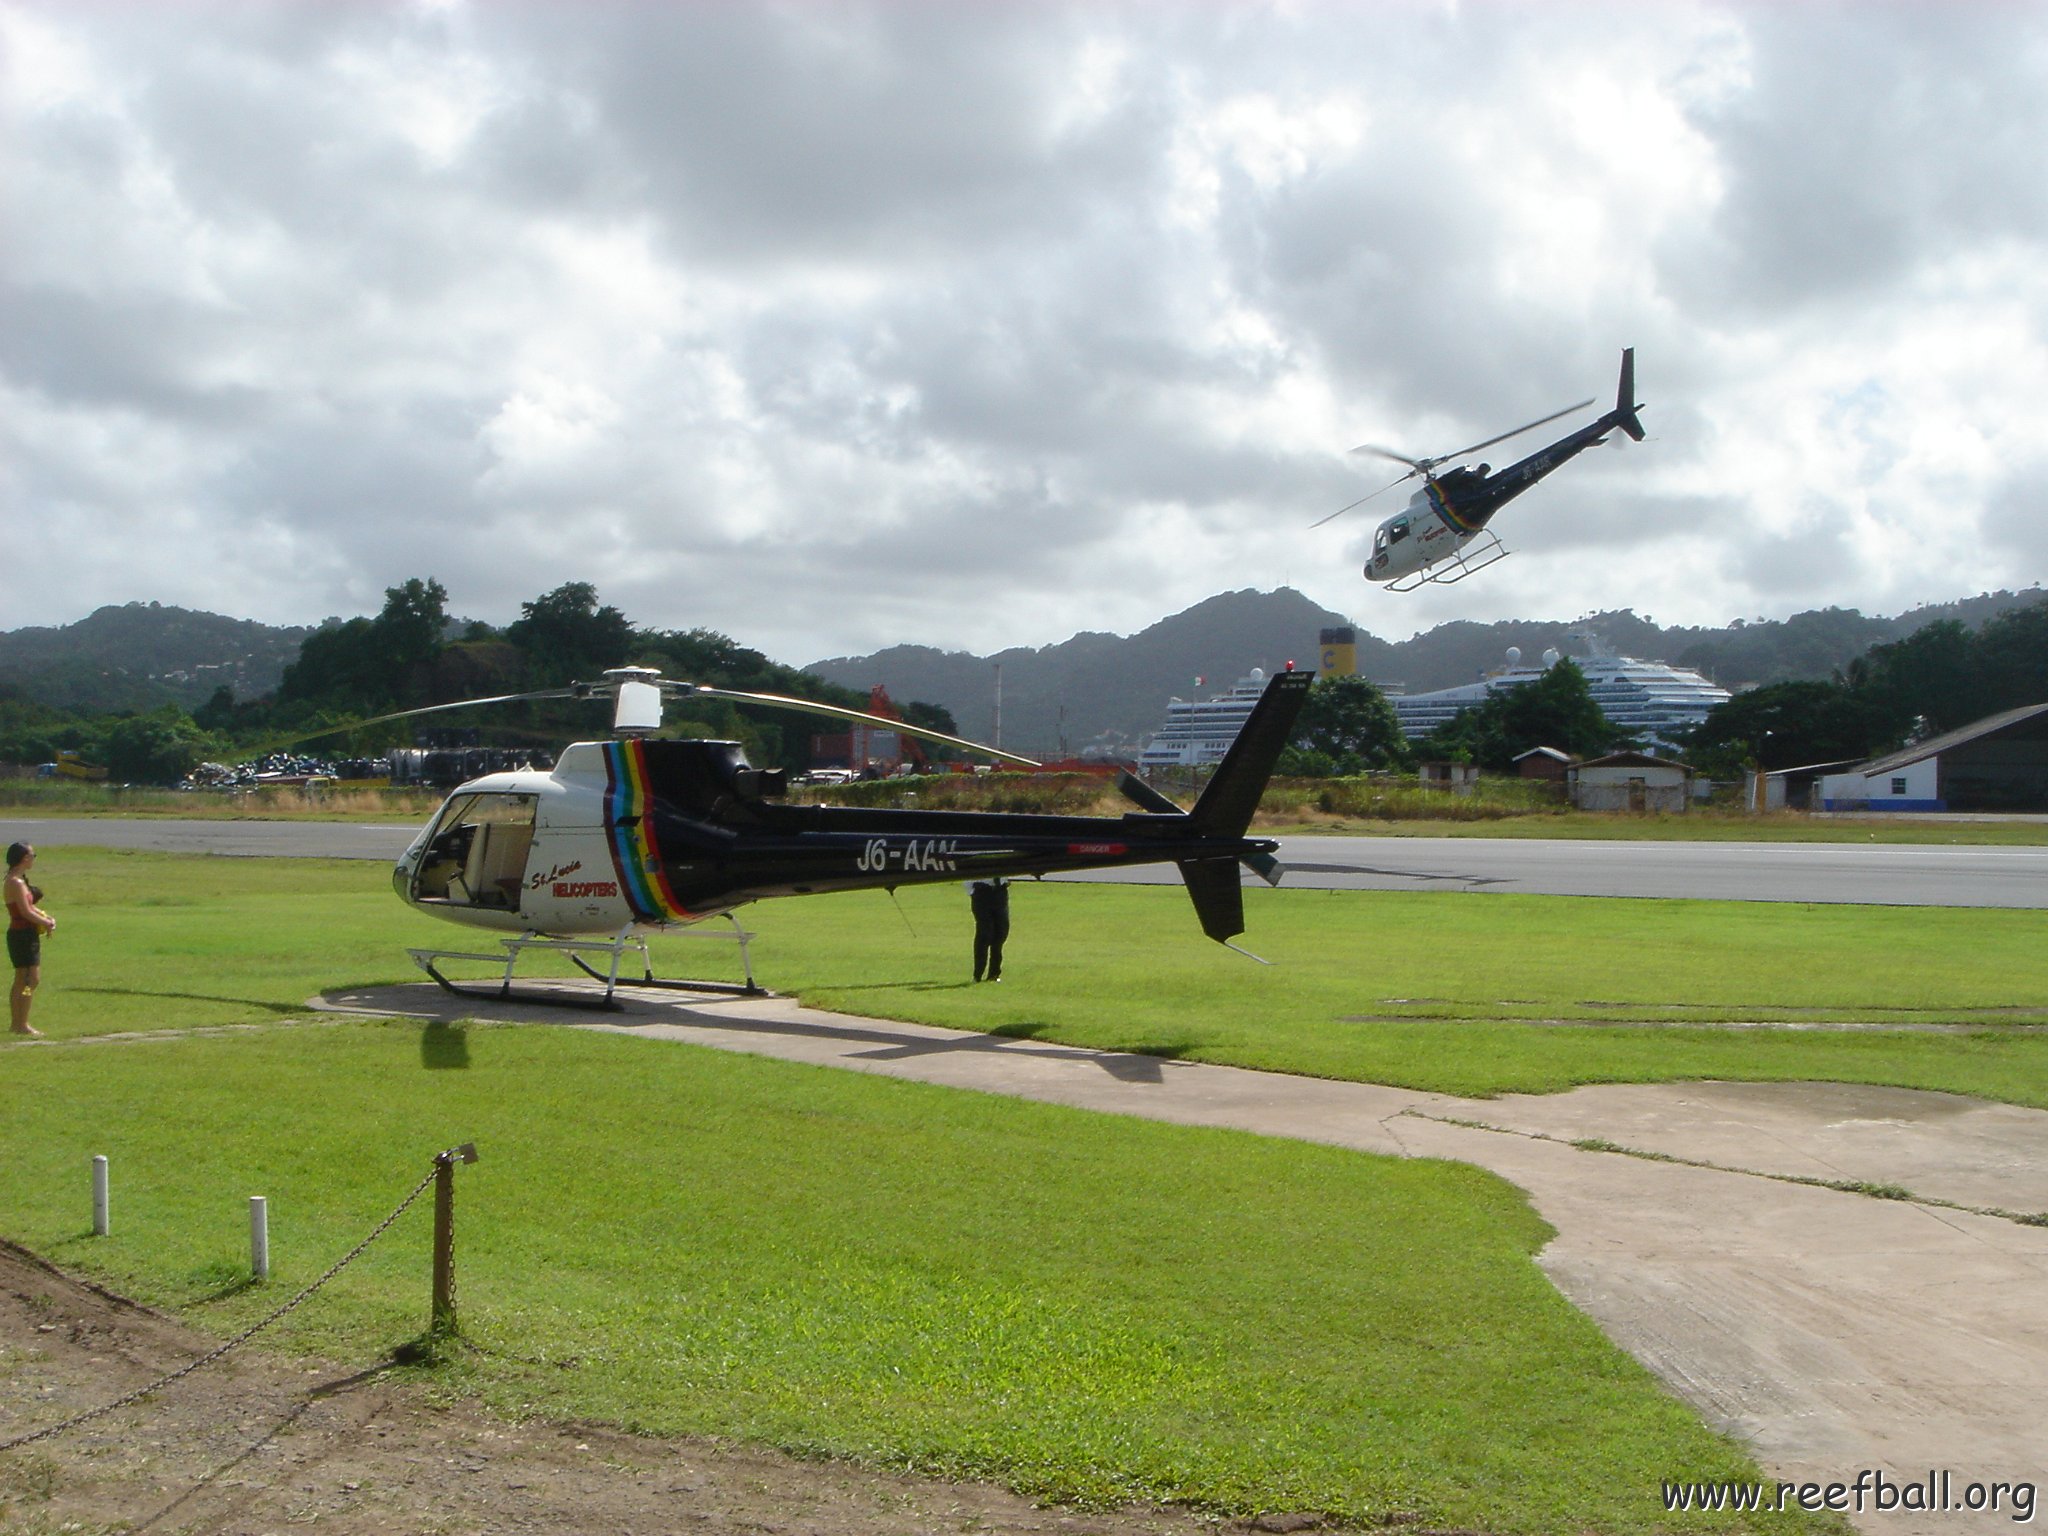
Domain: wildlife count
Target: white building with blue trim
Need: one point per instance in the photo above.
(1999, 763)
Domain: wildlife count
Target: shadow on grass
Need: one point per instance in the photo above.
(279, 1010)
(222, 1292)
(444, 1046)
(887, 1043)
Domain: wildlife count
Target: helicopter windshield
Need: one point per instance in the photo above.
(476, 856)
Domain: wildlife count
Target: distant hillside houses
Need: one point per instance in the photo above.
(1650, 700)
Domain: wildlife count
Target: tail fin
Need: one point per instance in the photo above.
(1218, 896)
(1227, 802)
(1625, 406)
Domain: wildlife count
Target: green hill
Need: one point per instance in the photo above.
(142, 655)
(1112, 690)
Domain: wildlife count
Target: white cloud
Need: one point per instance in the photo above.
(835, 326)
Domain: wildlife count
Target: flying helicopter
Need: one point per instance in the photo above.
(1442, 535)
(639, 834)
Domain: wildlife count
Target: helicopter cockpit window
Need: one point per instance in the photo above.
(1397, 530)
(476, 856)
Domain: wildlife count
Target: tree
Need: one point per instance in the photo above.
(2012, 657)
(415, 616)
(369, 665)
(1555, 710)
(1787, 725)
(1346, 726)
(1931, 675)
(568, 637)
(160, 747)
(218, 712)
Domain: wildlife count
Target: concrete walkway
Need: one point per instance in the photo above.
(1830, 1331)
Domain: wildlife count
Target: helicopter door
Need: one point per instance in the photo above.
(476, 855)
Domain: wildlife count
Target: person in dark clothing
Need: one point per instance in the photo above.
(991, 902)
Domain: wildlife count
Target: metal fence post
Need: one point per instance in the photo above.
(443, 1324)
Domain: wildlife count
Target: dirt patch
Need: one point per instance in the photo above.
(253, 1443)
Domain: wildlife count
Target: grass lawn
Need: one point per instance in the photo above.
(1081, 1306)
(1454, 992)
(1472, 994)
(678, 1240)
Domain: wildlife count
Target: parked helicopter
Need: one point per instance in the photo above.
(638, 834)
(1442, 535)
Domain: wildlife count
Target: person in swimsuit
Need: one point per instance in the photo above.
(27, 922)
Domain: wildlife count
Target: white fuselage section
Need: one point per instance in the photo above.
(1416, 537)
(520, 852)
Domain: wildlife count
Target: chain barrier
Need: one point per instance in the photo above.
(239, 1339)
(447, 1237)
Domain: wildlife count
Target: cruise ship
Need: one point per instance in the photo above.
(1198, 732)
(1648, 699)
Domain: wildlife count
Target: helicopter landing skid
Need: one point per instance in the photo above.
(616, 948)
(1476, 556)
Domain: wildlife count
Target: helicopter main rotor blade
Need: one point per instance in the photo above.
(609, 689)
(279, 744)
(1528, 427)
(1360, 502)
(840, 712)
(1419, 466)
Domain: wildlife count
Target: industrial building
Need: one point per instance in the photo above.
(2000, 763)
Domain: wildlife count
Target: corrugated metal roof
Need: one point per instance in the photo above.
(1632, 760)
(1934, 746)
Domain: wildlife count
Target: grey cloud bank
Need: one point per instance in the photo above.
(838, 325)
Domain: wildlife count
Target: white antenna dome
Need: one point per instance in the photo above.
(1514, 655)
(1258, 674)
(1550, 657)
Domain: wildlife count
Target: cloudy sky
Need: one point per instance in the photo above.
(832, 325)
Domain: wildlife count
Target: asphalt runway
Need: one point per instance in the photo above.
(1865, 872)
(1869, 873)
(383, 841)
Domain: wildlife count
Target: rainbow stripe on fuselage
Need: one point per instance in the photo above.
(636, 855)
(1441, 505)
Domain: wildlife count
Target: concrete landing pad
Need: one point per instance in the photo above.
(1942, 1145)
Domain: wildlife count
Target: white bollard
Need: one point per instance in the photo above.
(99, 1197)
(259, 1237)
